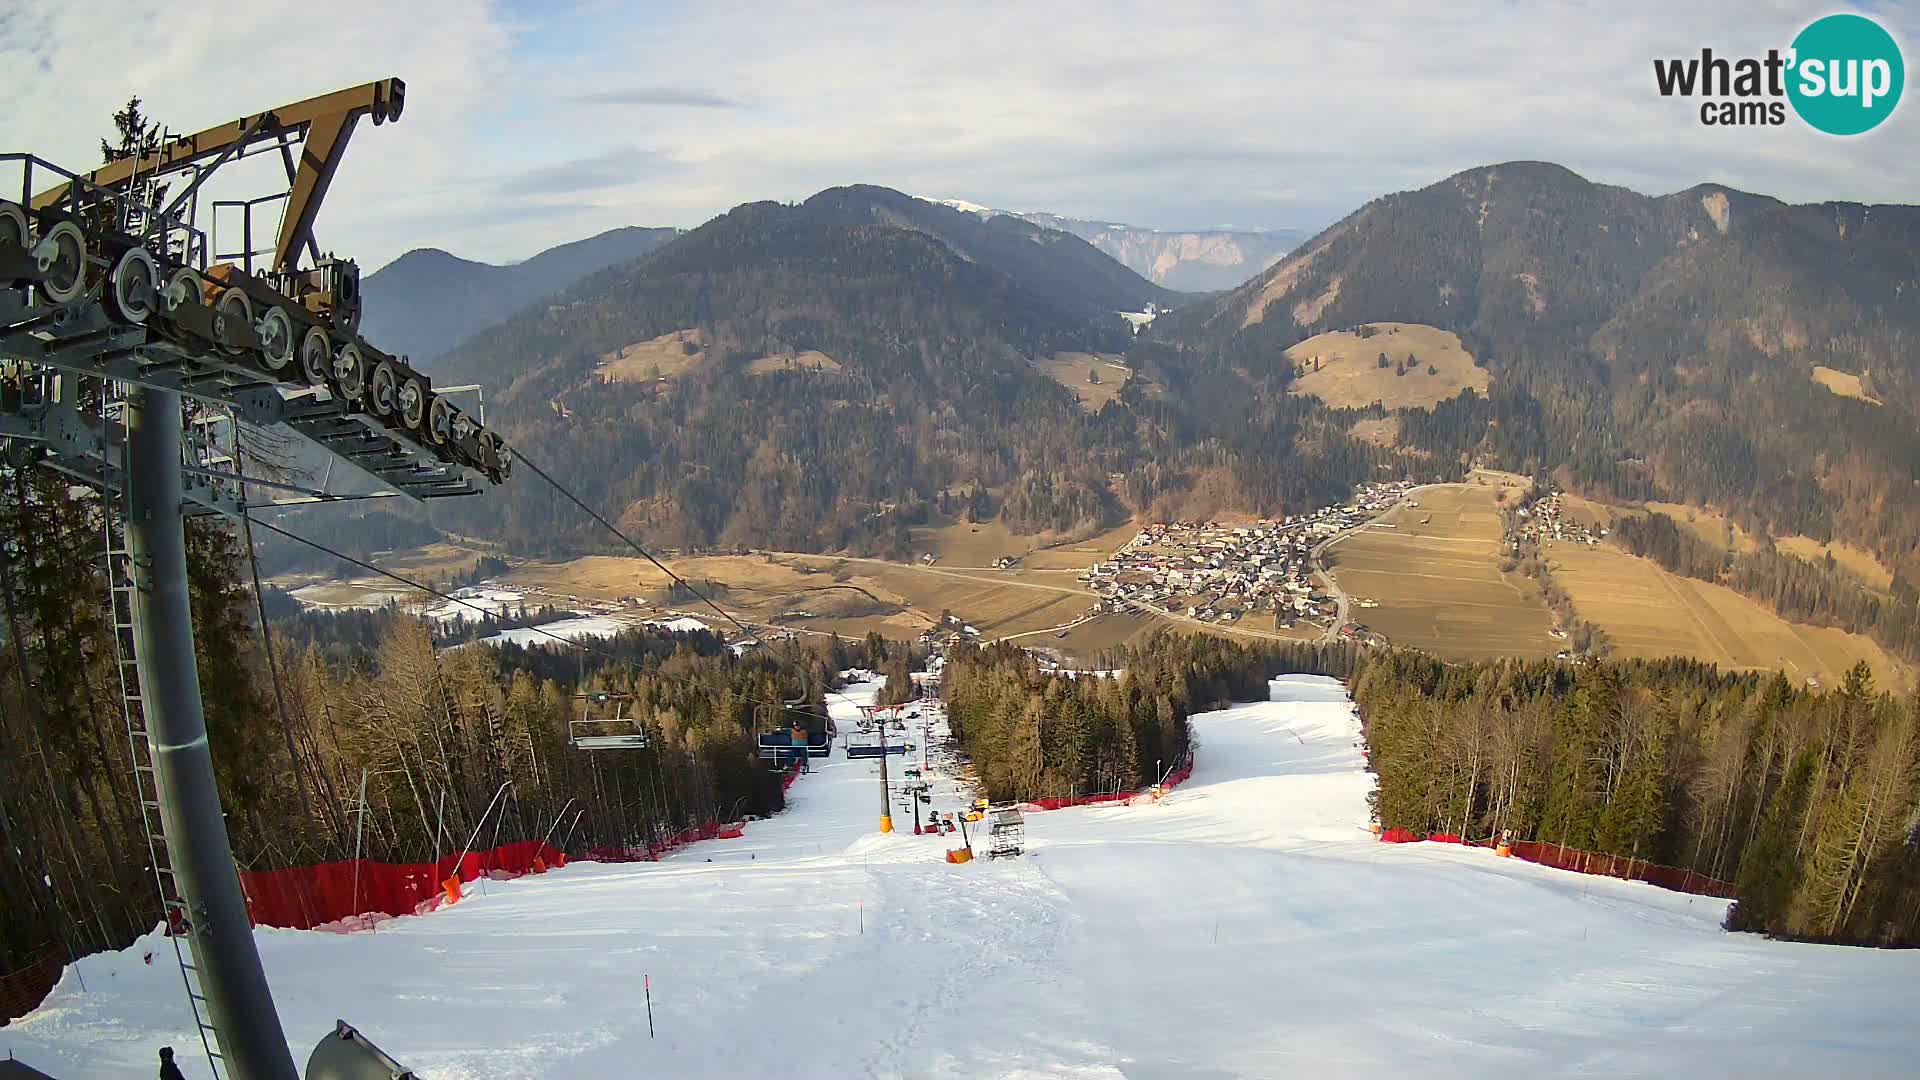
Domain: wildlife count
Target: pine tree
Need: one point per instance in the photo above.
(1770, 872)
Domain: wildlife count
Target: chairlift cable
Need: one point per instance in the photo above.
(410, 583)
(523, 459)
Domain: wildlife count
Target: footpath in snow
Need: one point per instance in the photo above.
(1245, 925)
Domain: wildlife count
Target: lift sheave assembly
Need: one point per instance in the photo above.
(108, 274)
(127, 345)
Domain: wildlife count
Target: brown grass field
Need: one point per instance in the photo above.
(970, 543)
(1856, 561)
(1843, 383)
(1380, 431)
(1070, 369)
(1590, 513)
(811, 360)
(656, 358)
(1439, 584)
(961, 544)
(1350, 376)
(1106, 632)
(1648, 612)
(1709, 525)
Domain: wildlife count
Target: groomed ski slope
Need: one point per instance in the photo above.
(1246, 925)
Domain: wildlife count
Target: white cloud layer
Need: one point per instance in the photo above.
(529, 125)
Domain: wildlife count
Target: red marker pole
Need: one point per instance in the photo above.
(647, 980)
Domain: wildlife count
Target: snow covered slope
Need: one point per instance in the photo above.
(1246, 925)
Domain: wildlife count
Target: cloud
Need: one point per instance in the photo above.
(1266, 115)
(660, 95)
(594, 172)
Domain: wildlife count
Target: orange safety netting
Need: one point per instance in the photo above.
(303, 897)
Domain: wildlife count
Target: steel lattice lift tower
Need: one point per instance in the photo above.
(131, 357)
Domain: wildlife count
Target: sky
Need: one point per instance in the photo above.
(530, 124)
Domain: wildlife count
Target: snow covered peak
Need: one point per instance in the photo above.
(969, 207)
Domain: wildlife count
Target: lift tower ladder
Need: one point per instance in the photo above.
(124, 581)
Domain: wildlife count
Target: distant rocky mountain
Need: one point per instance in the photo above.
(1200, 260)
(427, 301)
(1053, 262)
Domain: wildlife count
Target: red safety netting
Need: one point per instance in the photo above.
(732, 830)
(1173, 780)
(652, 852)
(22, 990)
(303, 897)
(1589, 862)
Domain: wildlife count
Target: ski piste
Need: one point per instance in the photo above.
(1246, 924)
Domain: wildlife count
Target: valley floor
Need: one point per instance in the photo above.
(1246, 925)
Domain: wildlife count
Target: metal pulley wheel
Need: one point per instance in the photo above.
(382, 389)
(412, 402)
(316, 355)
(501, 454)
(350, 371)
(233, 309)
(276, 338)
(133, 286)
(183, 287)
(440, 421)
(14, 231)
(61, 256)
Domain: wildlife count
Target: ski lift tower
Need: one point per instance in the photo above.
(131, 357)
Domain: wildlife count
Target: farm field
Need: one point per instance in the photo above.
(1856, 561)
(1072, 369)
(996, 602)
(847, 596)
(1349, 375)
(1105, 632)
(1709, 525)
(1437, 581)
(977, 544)
(1648, 612)
(663, 357)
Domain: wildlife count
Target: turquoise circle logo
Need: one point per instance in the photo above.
(1847, 74)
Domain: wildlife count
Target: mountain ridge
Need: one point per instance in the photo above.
(1647, 345)
(427, 301)
(1191, 260)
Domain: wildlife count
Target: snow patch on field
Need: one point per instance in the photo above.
(567, 629)
(1245, 925)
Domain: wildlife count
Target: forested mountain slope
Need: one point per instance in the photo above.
(1652, 347)
(813, 376)
(427, 301)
